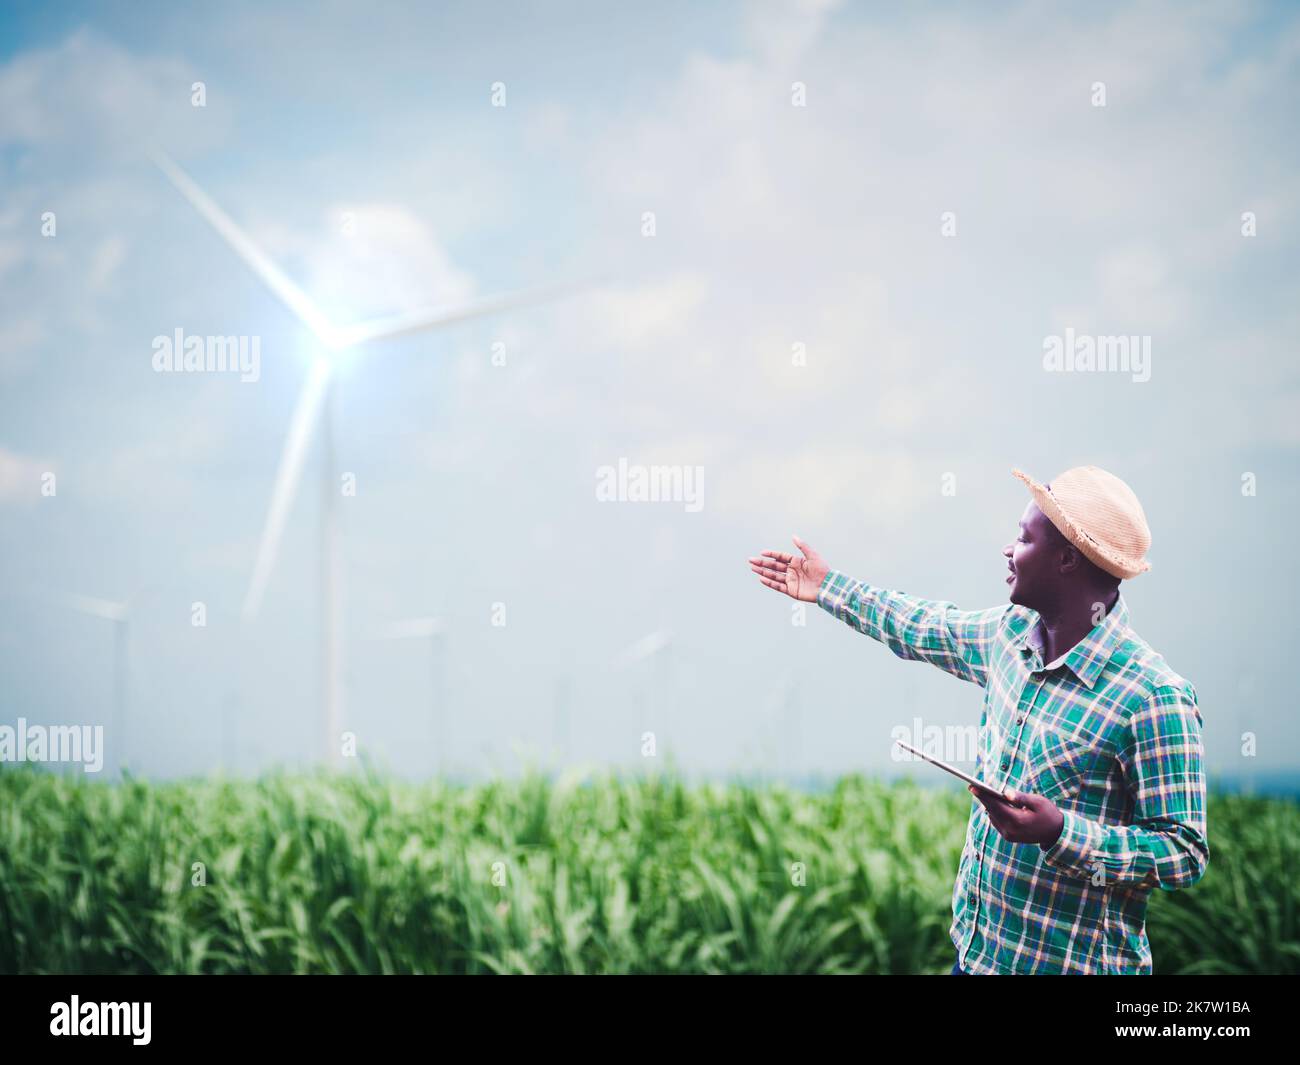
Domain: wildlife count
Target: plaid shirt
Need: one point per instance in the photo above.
(1108, 732)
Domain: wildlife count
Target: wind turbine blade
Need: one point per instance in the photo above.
(286, 482)
(271, 275)
(434, 317)
(100, 608)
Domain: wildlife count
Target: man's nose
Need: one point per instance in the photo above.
(1007, 551)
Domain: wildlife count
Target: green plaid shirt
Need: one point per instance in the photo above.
(1108, 732)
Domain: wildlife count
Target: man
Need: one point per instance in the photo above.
(1097, 737)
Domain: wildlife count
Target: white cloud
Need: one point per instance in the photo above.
(106, 261)
(646, 315)
(20, 477)
(823, 484)
(782, 32)
(387, 260)
(391, 262)
(86, 92)
(19, 336)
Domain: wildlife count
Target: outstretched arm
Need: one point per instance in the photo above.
(959, 642)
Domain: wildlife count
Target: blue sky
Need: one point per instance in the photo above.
(775, 226)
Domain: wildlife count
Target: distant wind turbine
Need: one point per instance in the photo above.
(435, 631)
(789, 722)
(317, 395)
(120, 615)
(657, 646)
(560, 717)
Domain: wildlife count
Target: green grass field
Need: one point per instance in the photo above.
(356, 873)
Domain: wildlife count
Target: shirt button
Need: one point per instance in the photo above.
(1020, 721)
(1006, 765)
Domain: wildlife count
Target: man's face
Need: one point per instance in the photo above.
(1033, 559)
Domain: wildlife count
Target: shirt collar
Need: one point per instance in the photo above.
(1087, 658)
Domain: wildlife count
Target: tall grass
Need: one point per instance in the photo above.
(360, 873)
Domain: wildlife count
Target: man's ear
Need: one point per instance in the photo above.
(1071, 558)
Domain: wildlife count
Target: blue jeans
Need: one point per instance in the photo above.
(957, 970)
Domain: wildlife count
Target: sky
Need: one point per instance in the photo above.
(815, 250)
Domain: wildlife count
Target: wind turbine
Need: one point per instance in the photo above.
(560, 717)
(786, 713)
(120, 615)
(655, 645)
(435, 631)
(317, 397)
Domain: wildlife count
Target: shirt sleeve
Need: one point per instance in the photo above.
(959, 642)
(1166, 845)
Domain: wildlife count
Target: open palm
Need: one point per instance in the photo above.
(799, 578)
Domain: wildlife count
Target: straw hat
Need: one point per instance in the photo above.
(1099, 514)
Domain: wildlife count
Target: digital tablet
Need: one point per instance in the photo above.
(957, 772)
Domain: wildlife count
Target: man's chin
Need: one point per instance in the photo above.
(1015, 599)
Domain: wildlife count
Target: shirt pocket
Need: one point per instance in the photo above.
(1058, 767)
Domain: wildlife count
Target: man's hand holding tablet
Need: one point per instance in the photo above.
(982, 785)
(1018, 816)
